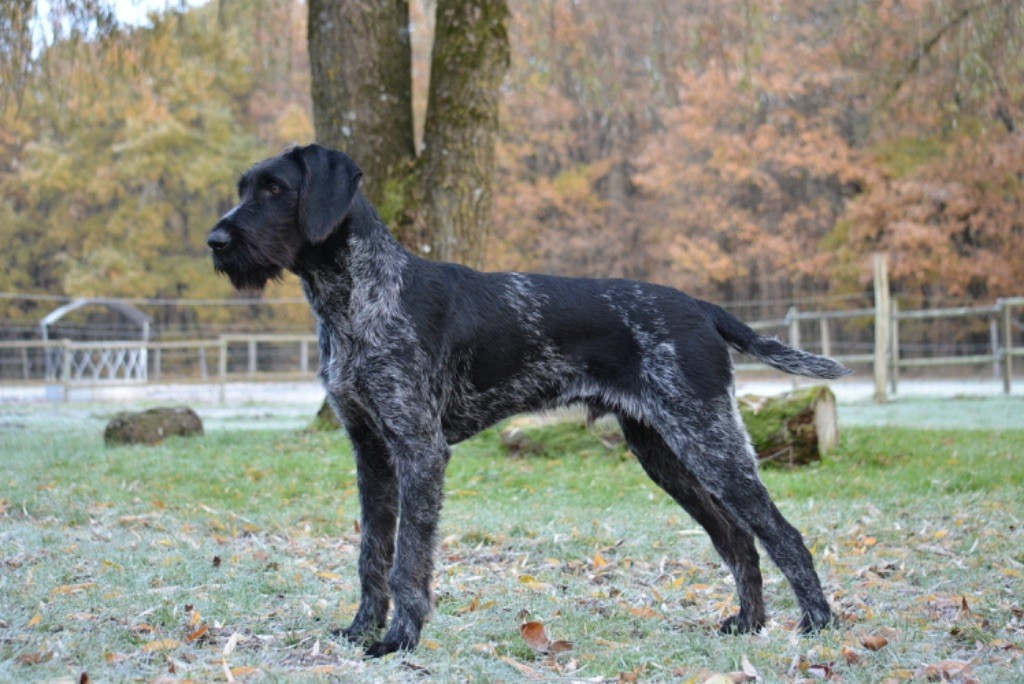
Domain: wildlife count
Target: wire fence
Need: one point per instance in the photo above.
(240, 340)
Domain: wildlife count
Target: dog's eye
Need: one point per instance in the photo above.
(273, 189)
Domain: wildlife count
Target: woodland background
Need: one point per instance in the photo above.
(742, 151)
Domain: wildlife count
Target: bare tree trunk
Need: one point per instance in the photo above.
(470, 58)
(361, 62)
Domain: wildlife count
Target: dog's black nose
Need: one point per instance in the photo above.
(219, 239)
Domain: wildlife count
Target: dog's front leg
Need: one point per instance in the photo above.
(378, 498)
(420, 465)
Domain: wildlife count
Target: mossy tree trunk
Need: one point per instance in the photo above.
(360, 61)
(438, 203)
(469, 61)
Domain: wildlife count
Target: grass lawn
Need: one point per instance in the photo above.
(232, 556)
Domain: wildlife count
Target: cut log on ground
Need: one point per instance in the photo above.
(152, 426)
(789, 430)
(326, 419)
(792, 429)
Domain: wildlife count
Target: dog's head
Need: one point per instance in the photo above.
(285, 204)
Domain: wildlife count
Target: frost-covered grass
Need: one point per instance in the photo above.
(111, 560)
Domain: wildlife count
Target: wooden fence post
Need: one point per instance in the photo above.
(65, 368)
(883, 317)
(252, 358)
(826, 336)
(894, 351)
(794, 332)
(1007, 317)
(222, 367)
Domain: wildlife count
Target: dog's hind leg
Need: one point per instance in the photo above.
(714, 445)
(732, 541)
(378, 498)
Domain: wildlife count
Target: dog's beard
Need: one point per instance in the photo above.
(247, 276)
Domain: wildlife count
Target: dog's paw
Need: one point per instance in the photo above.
(379, 649)
(809, 624)
(740, 624)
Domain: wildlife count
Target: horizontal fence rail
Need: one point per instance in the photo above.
(255, 357)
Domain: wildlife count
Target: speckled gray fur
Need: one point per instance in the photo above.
(418, 355)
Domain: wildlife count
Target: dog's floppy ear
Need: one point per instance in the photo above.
(330, 180)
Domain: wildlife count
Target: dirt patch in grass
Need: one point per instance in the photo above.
(234, 556)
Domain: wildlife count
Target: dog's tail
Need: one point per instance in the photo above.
(770, 350)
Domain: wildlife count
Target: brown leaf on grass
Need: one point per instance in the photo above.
(160, 645)
(72, 588)
(535, 636)
(471, 608)
(718, 678)
(525, 669)
(36, 619)
(822, 671)
(233, 640)
(113, 658)
(645, 612)
(143, 628)
(874, 642)
(216, 561)
(196, 618)
(628, 677)
(947, 671)
(560, 646)
(244, 671)
(34, 658)
(851, 656)
(599, 560)
(198, 634)
(749, 671)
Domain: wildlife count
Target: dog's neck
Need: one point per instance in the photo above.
(354, 280)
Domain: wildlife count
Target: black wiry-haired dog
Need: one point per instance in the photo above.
(418, 355)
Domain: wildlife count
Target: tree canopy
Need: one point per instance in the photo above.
(736, 150)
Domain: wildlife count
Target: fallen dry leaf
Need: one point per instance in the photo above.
(874, 642)
(525, 669)
(560, 646)
(232, 642)
(198, 634)
(719, 678)
(244, 670)
(947, 671)
(36, 619)
(333, 576)
(160, 645)
(851, 656)
(34, 658)
(72, 588)
(646, 612)
(534, 635)
(471, 608)
(599, 560)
